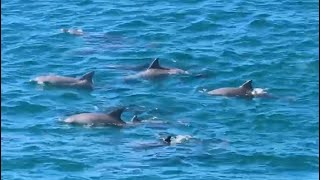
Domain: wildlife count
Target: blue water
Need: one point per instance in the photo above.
(274, 43)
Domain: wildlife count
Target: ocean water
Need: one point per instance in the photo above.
(221, 43)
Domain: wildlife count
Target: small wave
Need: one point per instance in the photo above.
(260, 23)
(70, 96)
(200, 26)
(25, 107)
(133, 24)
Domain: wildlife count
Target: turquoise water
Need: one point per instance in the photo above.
(274, 43)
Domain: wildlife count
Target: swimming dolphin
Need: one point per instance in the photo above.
(84, 81)
(112, 118)
(167, 141)
(164, 142)
(156, 70)
(245, 90)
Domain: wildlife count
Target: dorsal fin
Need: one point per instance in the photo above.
(155, 64)
(168, 139)
(87, 76)
(116, 114)
(247, 85)
(135, 119)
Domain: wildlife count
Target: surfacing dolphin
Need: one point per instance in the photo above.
(245, 90)
(105, 119)
(167, 141)
(156, 70)
(84, 81)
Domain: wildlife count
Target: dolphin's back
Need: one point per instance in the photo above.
(62, 81)
(55, 80)
(93, 118)
(149, 73)
(228, 92)
(154, 72)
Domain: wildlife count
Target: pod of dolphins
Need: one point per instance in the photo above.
(154, 70)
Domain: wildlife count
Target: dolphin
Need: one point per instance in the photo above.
(167, 141)
(156, 70)
(84, 81)
(245, 90)
(112, 118)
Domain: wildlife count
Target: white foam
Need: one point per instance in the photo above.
(180, 139)
(203, 90)
(259, 91)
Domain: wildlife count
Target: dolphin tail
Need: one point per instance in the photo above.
(88, 76)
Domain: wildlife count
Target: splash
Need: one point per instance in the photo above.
(180, 139)
(78, 32)
(203, 90)
(259, 92)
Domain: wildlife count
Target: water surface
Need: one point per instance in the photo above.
(274, 43)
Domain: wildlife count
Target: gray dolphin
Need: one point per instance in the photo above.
(84, 81)
(164, 142)
(156, 70)
(112, 118)
(245, 90)
(167, 141)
